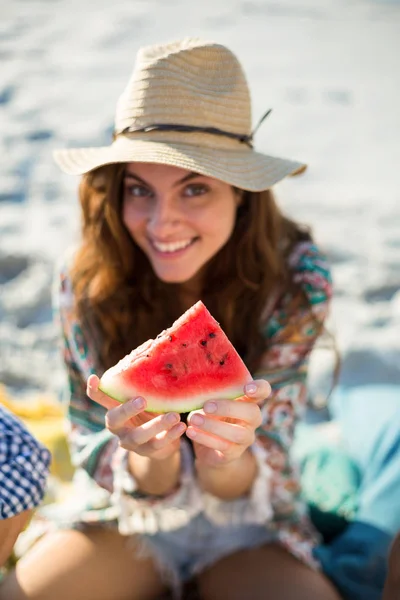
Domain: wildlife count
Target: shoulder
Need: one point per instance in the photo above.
(63, 264)
(311, 272)
(305, 303)
(77, 341)
(63, 299)
(62, 285)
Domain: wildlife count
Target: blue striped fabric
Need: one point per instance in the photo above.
(24, 465)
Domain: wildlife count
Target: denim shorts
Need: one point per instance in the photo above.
(185, 552)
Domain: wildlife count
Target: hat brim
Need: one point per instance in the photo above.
(243, 168)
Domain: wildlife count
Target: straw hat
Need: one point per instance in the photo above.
(187, 104)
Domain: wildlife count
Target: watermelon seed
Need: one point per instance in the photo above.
(211, 335)
(184, 345)
(170, 338)
(168, 366)
(203, 342)
(223, 359)
(209, 357)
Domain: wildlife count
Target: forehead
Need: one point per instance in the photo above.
(153, 171)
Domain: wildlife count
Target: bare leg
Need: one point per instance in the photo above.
(261, 573)
(9, 531)
(392, 585)
(73, 565)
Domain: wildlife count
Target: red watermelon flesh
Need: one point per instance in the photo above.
(191, 362)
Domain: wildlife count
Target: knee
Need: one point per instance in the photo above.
(392, 584)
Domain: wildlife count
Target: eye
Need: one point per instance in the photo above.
(196, 189)
(138, 191)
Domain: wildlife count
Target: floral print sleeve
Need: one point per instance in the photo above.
(94, 449)
(291, 330)
(90, 443)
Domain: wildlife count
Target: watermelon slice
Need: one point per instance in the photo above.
(188, 364)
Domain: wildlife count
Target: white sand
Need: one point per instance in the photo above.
(330, 69)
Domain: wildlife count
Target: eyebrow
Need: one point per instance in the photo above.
(188, 177)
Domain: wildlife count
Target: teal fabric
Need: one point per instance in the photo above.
(369, 417)
(330, 480)
(353, 489)
(360, 477)
(356, 561)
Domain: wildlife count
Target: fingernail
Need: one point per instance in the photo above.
(210, 407)
(196, 420)
(251, 388)
(172, 418)
(138, 403)
(180, 428)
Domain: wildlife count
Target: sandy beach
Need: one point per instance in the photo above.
(329, 69)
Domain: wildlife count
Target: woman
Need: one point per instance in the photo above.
(179, 208)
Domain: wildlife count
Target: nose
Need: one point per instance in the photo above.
(164, 217)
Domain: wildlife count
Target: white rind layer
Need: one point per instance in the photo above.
(115, 389)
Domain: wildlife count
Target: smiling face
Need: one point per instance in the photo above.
(178, 218)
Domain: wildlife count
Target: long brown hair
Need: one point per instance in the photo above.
(121, 302)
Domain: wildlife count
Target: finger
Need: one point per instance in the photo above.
(144, 433)
(117, 417)
(164, 438)
(258, 390)
(232, 432)
(92, 390)
(210, 441)
(249, 412)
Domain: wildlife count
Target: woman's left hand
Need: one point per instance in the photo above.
(224, 429)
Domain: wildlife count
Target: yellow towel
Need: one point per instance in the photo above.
(44, 417)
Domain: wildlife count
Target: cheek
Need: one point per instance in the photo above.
(223, 222)
(131, 218)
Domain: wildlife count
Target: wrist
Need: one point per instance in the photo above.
(135, 457)
(228, 480)
(155, 476)
(202, 466)
(224, 465)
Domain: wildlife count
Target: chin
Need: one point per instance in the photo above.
(170, 277)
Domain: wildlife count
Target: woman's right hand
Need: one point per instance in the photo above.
(153, 435)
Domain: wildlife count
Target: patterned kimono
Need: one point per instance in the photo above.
(291, 327)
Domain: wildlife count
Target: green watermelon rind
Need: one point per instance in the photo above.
(179, 405)
(164, 396)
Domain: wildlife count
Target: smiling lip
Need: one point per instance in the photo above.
(172, 249)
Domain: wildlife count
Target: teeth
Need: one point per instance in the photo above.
(172, 247)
